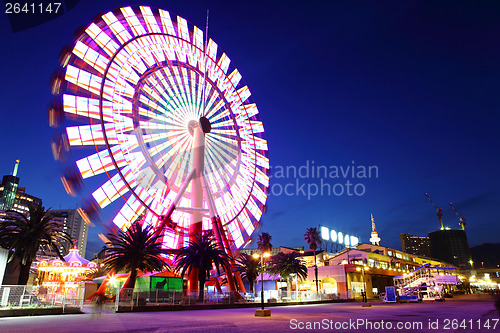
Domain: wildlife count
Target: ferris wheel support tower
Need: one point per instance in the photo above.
(195, 228)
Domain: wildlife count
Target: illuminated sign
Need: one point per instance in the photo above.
(331, 235)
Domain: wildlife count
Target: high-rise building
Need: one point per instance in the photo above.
(74, 225)
(417, 245)
(14, 197)
(451, 245)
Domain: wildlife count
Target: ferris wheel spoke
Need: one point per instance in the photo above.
(223, 123)
(151, 138)
(151, 109)
(175, 158)
(171, 101)
(159, 118)
(178, 140)
(213, 109)
(154, 92)
(163, 115)
(225, 132)
(150, 91)
(218, 142)
(186, 86)
(220, 158)
(157, 126)
(213, 169)
(222, 114)
(197, 89)
(176, 82)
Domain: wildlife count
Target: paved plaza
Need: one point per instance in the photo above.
(471, 313)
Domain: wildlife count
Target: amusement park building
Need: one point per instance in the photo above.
(348, 271)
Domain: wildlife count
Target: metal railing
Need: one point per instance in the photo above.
(18, 297)
(130, 298)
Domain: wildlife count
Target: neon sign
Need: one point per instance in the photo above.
(331, 235)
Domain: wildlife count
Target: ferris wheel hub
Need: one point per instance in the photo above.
(203, 124)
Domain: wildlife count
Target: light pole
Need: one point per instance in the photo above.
(262, 312)
(365, 295)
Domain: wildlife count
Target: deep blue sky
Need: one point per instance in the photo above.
(411, 87)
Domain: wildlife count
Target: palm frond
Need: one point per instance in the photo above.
(137, 248)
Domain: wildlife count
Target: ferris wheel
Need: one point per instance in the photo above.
(160, 117)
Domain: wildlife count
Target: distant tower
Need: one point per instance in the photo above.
(374, 239)
(13, 197)
(14, 173)
(9, 189)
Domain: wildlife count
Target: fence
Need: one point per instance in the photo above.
(18, 297)
(130, 298)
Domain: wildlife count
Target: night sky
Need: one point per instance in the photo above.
(410, 88)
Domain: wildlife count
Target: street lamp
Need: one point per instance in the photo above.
(262, 312)
(365, 295)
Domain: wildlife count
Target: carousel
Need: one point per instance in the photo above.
(65, 276)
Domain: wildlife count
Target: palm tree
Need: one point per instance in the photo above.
(249, 268)
(201, 253)
(288, 264)
(24, 235)
(136, 249)
(264, 242)
(313, 240)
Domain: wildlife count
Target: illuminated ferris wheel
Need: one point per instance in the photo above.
(157, 114)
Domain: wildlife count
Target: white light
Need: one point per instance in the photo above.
(354, 241)
(346, 240)
(340, 236)
(333, 233)
(325, 233)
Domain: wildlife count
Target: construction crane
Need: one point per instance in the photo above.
(438, 210)
(460, 217)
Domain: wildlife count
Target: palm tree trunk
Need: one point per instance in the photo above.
(201, 284)
(132, 278)
(316, 272)
(24, 273)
